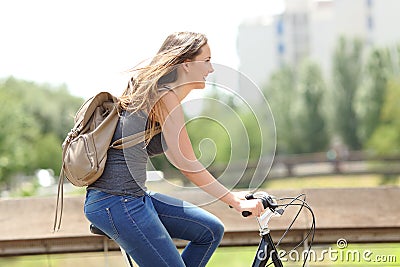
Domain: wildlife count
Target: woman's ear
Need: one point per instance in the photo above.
(185, 65)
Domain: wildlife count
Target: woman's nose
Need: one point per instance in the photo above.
(211, 70)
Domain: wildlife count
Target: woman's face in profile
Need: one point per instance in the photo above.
(200, 67)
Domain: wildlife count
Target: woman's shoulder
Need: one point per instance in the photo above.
(166, 93)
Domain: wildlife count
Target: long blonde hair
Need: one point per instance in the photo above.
(143, 87)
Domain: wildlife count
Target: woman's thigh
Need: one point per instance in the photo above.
(186, 221)
(134, 224)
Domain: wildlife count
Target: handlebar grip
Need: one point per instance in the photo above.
(264, 201)
(246, 213)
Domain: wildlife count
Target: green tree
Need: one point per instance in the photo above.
(296, 99)
(282, 96)
(347, 75)
(211, 130)
(48, 152)
(52, 107)
(34, 120)
(311, 118)
(371, 100)
(18, 133)
(386, 137)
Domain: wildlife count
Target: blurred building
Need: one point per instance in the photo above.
(310, 29)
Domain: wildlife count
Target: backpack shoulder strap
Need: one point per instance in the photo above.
(133, 139)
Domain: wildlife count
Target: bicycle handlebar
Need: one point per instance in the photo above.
(267, 201)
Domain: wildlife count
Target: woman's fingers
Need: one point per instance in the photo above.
(255, 206)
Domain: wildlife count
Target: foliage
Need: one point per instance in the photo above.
(386, 138)
(371, 97)
(347, 76)
(281, 94)
(311, 119)
(296, 99)
(210, 131)
(17, 136)
(353, 109)
(34, 120)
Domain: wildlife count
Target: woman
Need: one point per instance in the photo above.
(118, 203)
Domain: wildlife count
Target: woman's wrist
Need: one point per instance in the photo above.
(232, 200)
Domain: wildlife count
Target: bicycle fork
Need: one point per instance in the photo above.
(266, 249)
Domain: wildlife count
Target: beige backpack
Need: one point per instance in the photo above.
(84, 151)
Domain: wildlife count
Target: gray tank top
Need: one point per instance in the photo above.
(125, 169)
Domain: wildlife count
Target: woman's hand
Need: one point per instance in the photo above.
(254, 206)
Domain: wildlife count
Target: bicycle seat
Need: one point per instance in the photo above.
(97, 231)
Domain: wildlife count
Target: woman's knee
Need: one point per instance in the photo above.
(219, 230)
(216, 230)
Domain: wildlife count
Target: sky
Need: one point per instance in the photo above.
(89, 44)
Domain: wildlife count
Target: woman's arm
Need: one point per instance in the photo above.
(181, 154)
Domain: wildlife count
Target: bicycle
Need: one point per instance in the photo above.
(266, 248)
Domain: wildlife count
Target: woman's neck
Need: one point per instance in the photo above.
(180, 89)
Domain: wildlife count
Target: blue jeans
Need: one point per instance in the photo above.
(144, 227)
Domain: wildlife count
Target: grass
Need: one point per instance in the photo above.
(235, 256)
(385, 255)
